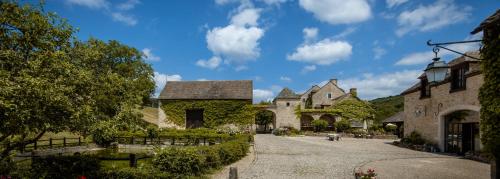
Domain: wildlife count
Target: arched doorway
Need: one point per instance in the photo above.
(306, 122)
(331, 121)
(462, 132)
(265, 121)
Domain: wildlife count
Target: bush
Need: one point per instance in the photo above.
(414, 138)
(342, 125)
(319, 125)
(104, 133)
(185, 161)
(198, 160)
(152, 132)
(132, 173)
(288, 131)
(64, 166)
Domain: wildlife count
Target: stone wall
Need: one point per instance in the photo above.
(320, 97)
(285, 115)
(426, 115)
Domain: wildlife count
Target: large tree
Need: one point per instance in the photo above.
(51, 82)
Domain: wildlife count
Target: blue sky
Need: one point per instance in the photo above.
(377, 46)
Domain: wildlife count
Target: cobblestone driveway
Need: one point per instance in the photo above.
(316, 157)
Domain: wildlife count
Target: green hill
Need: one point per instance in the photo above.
(387, 106)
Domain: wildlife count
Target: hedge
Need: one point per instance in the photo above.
(199, 160)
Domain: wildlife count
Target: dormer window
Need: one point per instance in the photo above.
(329, 95)
(287, 104)
(458, 79)
(425, 88)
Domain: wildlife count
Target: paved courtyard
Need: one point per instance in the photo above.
(316, 157)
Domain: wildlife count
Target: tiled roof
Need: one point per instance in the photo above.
(495, 18)
(398, 117)
(239, 89)
(287, 93)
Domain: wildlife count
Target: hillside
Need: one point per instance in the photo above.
(387, 106)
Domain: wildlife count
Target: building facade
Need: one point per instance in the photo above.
(447, 113)
(194, 104)
(286, 103)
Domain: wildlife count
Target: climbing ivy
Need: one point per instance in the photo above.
(489, 96)
(349, 109)
(215, 112)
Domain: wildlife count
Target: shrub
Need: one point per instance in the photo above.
(152, 132)
(198, 160)
(64, 166)
(414, 138)
(319, 125)
(288, 131)
(132, 173)
(342, 125)
(104, 133)
(185, 161)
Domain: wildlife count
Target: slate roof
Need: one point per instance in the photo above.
(238, 89)
(287, 93)
(398, 117)
(490, 21)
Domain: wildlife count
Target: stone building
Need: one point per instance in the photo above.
(286, 102)
(193, 104)
(447, 112)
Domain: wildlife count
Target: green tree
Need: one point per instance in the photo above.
(354, 109)
(51, 82)
(342, 125)
(264, 118)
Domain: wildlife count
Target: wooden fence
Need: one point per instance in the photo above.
(53, 143)
(169, 141)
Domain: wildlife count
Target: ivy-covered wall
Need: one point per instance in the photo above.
(215, 112)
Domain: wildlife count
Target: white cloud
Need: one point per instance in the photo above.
(149, 55)
(125, 18)
(324, 52)
(202, 79)
(426, 57)
(262, 95)
(372, 86)
(378, 52)
(434, 16)
(93, 4)
(310, 33)
(394, 3)
(130, 4)
(338, 11)
(211, 63)
(238, 42)
(345, 33)
(308, 69)
(161, 79)
(246, 17)
(285, 79)
(273, 2)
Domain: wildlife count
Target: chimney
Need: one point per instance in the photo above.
(334, 81)
(353, 91)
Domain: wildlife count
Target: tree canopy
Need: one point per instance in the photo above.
(51, 82)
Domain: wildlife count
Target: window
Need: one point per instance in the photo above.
(425, 88)
(287, 104)
(329, 95)
(458, 79)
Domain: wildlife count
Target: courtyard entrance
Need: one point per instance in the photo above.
(462, 132)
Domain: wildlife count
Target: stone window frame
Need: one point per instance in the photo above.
(458, 77)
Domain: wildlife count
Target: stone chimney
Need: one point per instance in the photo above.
(353, 91)
(334, 81)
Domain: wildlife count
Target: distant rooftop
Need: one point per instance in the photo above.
(238, 89)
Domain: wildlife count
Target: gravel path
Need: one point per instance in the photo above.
(316, 157)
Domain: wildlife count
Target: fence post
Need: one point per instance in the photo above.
(173, 141)
(34, 145)
(64, 141)
(132, 140)
(132, 160)
(79, 141)
(145, 140)
(233, 173)
(50, 142)
(204, 141)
